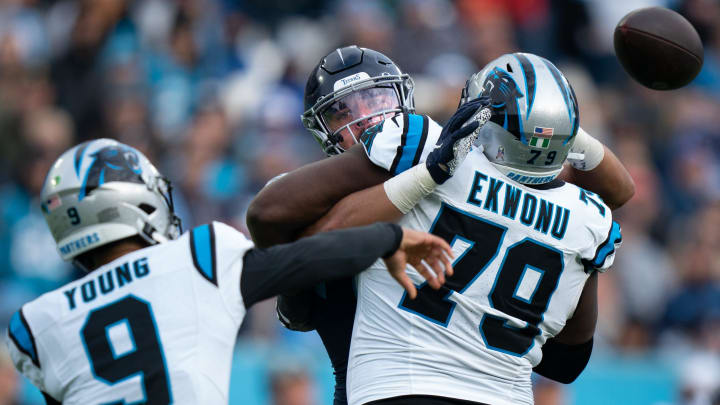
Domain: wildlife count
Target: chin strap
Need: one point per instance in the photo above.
(77, 263)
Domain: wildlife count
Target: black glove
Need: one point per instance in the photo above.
(457, 138)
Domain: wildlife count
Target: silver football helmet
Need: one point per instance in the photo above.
(534, 116)
(101, 191)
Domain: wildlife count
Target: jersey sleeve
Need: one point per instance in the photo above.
(217, 253)
(607, 234)
(23, 350)
(605, 252)
(401, 142)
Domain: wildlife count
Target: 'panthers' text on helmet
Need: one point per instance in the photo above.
(101, 191)
(535, 116)
(353, 72)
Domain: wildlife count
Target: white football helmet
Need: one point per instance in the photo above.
(534, 116)
(101, 191)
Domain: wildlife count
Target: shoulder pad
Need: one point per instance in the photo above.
(397, 143)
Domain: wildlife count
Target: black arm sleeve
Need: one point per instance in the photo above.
(563, 363)
(308, 261)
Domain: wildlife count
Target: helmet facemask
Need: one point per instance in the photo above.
(380, 97)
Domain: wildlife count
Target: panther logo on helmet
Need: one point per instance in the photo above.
(111, 163)
(503, 92)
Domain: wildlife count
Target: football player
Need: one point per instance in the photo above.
(288, 206)
(155, 319)
(529, 248)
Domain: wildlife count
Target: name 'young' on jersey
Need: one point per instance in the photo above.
(522, 257)
(155, 326)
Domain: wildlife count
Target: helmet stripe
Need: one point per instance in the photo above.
(569, 97)
(529, 74)
(79, 153)
(83, 187)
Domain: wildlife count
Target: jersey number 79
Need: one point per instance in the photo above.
(483, 239)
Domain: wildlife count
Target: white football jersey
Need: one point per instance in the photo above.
(522, 256)
(155, 326)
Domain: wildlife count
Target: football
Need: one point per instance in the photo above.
(659, 48)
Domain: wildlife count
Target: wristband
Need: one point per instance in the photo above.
(409, 187)
(592, 149)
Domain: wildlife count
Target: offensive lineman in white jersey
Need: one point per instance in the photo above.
(156, 318)
(528, 249)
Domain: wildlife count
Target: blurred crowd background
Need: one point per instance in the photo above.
(211, 90)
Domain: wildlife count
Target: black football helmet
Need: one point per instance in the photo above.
(350, 90)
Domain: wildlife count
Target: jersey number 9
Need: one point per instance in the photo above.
(112, 364)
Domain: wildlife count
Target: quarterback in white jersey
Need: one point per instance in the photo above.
(155, 320)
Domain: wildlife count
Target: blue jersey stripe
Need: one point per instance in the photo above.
(608, 246)
(414, 134)
(22, 336)
(202, 245)
(423, 138)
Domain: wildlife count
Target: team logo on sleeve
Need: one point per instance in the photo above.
(111, 163)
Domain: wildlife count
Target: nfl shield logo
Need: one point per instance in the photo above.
(541, 137)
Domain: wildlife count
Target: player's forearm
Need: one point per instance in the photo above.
(360, 208)
(309, 261)
(284, 208)
(385, 202)
(610, 180)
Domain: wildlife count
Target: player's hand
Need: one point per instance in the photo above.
(457, 138)
(428, 254)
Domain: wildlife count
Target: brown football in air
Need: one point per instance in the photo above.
(659, 48)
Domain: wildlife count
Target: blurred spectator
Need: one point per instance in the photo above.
(644, 272)
(291, 387)
(699, 379)
(548, 392)
(695, 305)
(9, 379)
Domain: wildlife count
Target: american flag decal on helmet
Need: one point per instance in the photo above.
(51, 203)
(541, 137)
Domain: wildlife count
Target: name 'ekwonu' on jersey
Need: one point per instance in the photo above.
(157, 325)
(522, 256)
